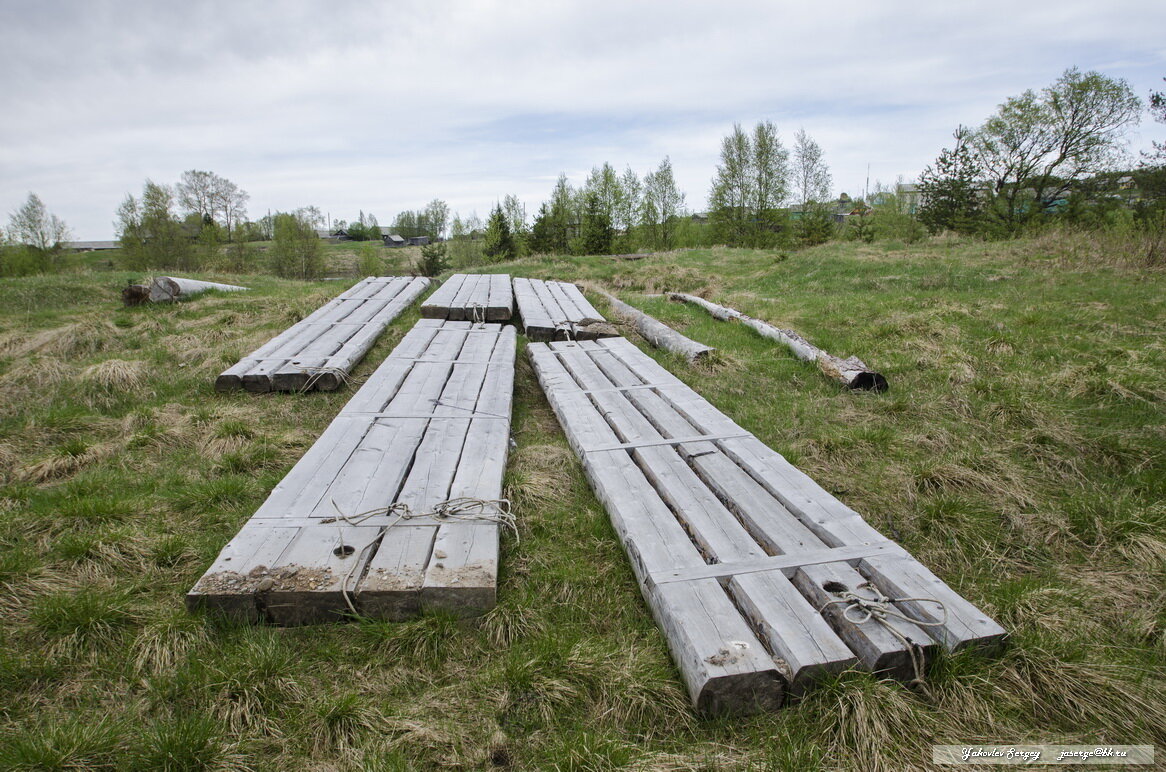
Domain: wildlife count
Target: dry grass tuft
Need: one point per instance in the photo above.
(117, 375)
(873, 726)
(84, 338)
(164, 642)
(537, 475)
(65, 460)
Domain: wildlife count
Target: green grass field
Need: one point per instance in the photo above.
(1020, 454)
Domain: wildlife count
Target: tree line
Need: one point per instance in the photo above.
(1043, 156)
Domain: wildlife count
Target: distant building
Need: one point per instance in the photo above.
(418, 241)
(90, 246)
(392, 239)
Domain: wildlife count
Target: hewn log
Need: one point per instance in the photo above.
(851, 372)
(656, 332)
(174, 287)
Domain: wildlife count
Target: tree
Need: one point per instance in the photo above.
(662, 204)
(151, 234)
(595, 234)
(296, 252)
(948, 189)
(1036, 146)
(627, 208)
(34, 226)
(811, 175)
(212, 197)
(499, 240)
(751, 183)
(436, 217)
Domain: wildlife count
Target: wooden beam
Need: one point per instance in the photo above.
(851, 372)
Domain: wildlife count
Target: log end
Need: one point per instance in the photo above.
(227, 382)
(742, 694)
(870, 381)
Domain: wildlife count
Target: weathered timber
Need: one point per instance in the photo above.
(320, 350)
(851, 372)
(554, 310)
(743, 560)
(357, 522)
(165, 288)
(471, 297)
(656, 332)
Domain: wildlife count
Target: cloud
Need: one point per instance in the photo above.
(384, 106)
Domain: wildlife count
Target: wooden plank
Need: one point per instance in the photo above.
(311, 576)
(501, 303)
(724, 667)
(803, 645)
(963, 626)
(462, 575)
(698, 508)
(318, 561)
(466, 297)
(230, 585)
(391, 588)
(787, 564)
(336, 336)
(878, 649)
(438, 304)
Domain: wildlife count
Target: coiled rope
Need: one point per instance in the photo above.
(881, 609)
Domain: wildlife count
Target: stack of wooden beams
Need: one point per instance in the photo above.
(759, 578)
(556, 310)
(471, 297)
(357, 524)
(320, 350)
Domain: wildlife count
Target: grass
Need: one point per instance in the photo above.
(1019, 453)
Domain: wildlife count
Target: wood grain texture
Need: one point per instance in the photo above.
(719, 526)
(431, 424)
(319, 351)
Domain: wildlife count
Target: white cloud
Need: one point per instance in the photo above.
(384, 106)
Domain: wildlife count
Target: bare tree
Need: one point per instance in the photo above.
(212, 197)
(34, 225)
(810, 172)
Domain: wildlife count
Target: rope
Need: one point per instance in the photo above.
(477, 314)
(465, 508)
(880, 609)
(316, 373)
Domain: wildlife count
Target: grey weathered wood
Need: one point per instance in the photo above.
(231, 583)
(656, 332)
(724, 666)
(964, 624)
(851, 372)
(878, 649)
(700, 503)
(552, 310)
(471, 297)
(804, 646)
(430, 424)
(320, 350)
(463, 575)
(436, 306)
(165, 288)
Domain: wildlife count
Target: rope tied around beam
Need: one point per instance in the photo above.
(881, 609)
(477, 314)
(463, 508)
(316, 373)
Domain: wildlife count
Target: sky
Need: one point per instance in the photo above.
(384, 106)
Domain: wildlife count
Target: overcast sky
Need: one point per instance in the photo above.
(385, 106)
